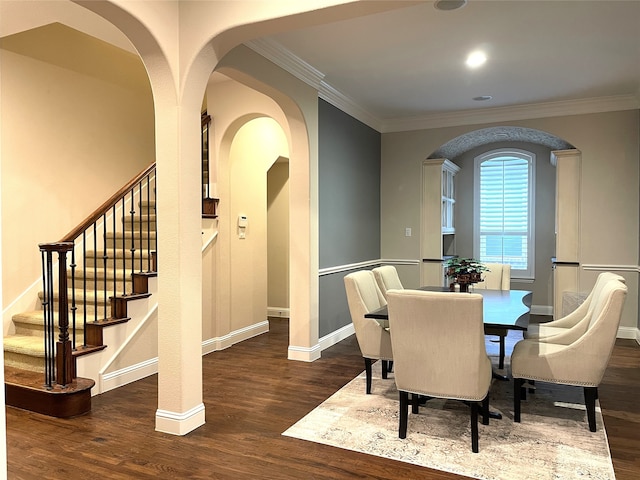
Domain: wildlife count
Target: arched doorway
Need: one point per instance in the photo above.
(462, 150)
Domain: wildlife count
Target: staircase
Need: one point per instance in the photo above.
(109, 261)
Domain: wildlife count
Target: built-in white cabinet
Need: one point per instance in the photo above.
(449, 171)
(566, 264)
(438, 214)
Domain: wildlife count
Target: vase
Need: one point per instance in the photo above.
(464, 286)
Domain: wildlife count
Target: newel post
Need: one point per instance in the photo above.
(63, 353)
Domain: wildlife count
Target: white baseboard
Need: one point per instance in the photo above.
(124, 376)
(629, 332)
(304, 354)
(220, 343)
(177, 423)
(282, 312)
(337, 336)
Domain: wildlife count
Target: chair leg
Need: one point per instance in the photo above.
(385, 369)
(367, 368)
(517, 393)
(403, 414)
(590, 395)
(474, 427)
(390, 369)
(415, 403)
(485, 410)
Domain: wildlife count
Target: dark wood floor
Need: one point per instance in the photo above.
(252, 394)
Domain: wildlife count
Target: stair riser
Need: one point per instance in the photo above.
(88, 295)
(137, 243)
(90, 306)
(121, 263)
(91, 284)
(134, 225)
(38, 330)
(25, 362)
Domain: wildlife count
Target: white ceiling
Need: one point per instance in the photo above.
(404, 69)
(407, 67)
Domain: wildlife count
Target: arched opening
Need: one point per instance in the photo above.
(462, 151)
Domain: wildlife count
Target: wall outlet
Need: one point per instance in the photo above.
(407, 232)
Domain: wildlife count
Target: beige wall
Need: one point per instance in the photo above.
(70, 138)
(255, 147)
(278, 238)
(234, 270)
(609, 201)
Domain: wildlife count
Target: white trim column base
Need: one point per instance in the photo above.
(304, 354)
(180, 423)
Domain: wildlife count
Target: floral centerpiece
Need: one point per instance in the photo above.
(464, 272)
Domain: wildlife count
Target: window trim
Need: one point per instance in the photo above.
(530, 157)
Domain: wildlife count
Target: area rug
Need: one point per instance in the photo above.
(553, 440)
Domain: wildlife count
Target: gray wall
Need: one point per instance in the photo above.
(349, 205)
(544, 213)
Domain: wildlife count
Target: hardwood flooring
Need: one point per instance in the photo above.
(252, 393)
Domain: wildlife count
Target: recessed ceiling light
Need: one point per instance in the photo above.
(475, 59)
(482, 98)
(446, 5)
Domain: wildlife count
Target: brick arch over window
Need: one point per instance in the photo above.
(485, 136)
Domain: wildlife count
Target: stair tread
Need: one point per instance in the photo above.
(131, 233)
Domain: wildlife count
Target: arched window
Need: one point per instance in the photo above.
(504, 209)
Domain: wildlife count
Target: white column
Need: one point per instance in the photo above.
(180, 405)
(567, 266)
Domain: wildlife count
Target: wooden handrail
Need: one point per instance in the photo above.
(91, 219)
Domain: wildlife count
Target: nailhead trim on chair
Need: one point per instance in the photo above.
(557, 381)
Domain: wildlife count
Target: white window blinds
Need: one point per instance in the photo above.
(504, 217)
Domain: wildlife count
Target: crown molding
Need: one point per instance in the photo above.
(302, 70)
(518, 112)
(293, 64)
(344, 103)
(273, 51)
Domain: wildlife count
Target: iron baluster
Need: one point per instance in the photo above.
(95, 273)
(124, 247)
(73, 296)
(47, 308)
(140, 221)
(114, 241)
(84, 278)
(132, 249)
(104, 263)
(148, 224)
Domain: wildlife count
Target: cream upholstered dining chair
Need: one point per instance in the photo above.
(387, 278)
(581, 362)
(364, 296)
(497, 278)
(574, 324)
(439, 351)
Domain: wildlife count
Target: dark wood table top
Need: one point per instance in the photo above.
(501, 308)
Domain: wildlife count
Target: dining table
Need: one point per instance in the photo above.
(508, 309)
